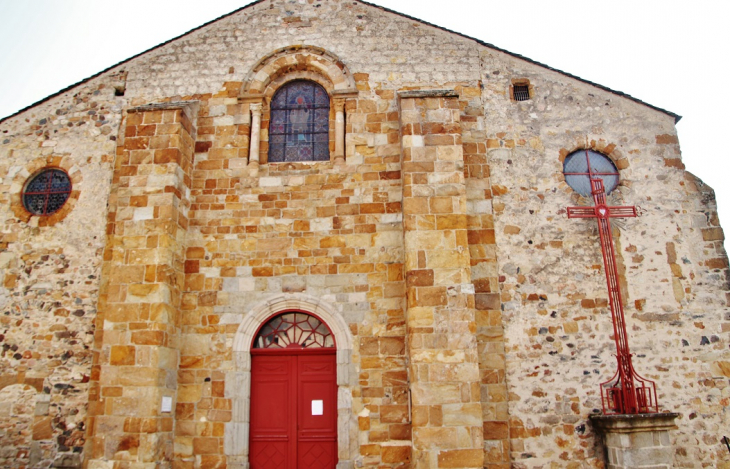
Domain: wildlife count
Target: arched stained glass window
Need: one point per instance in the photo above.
(299, 126)
(294, 330)
(583, 165)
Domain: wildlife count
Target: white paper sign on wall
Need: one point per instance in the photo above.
(317, 407)
(166, 404)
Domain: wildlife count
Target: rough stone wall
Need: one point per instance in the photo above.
(553, 291)
(50, 268)
(395, 52)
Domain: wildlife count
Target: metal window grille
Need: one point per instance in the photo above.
(47, 192)
(521, 92)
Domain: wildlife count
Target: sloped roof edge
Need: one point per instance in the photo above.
(676, 117)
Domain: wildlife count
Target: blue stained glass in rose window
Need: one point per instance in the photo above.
(299, 125)
(47, 192)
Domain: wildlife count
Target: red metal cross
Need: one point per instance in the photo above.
(626, 392)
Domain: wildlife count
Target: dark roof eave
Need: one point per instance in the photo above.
(676, 117)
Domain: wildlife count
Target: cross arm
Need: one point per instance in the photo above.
(581, 212)
(602, 211)
(622, 212)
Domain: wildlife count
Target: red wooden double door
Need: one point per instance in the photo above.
(293, 410)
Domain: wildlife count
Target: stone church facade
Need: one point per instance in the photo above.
(466, 317)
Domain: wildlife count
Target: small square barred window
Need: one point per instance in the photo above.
(521, 92)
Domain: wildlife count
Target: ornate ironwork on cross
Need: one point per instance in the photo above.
(626, 392)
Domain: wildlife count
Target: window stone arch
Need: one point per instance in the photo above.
(238, 381)
(298, 62)
(295, 58)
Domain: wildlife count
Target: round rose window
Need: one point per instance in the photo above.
(46, 192)
(583, 165)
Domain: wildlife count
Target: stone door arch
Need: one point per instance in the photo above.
(239, 389)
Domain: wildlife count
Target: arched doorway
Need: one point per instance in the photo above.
(293, 394)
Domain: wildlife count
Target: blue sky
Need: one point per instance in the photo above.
(667, 53)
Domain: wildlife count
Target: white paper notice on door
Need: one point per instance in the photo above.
(317, 407)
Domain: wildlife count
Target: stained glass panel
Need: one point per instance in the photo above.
(294, 330)
(299, 128)
(47, 192)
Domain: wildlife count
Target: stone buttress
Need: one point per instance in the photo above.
(136, 352)
(440, 319)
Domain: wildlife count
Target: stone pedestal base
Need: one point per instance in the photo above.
(639, 441)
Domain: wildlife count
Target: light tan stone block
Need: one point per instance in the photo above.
(439, 356)
(436, 393)
(189, 393)
(122, 355)
(448, 259)
(461, 458)
(420, 316)
(427, 438)
(469, 415)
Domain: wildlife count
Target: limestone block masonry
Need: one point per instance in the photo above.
(470, 316)
(440, 319)
(637, 441)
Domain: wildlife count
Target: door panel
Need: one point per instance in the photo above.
(284, 432)
(273, 392)
(317, 389)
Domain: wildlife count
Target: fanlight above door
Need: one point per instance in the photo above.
(294, 330)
